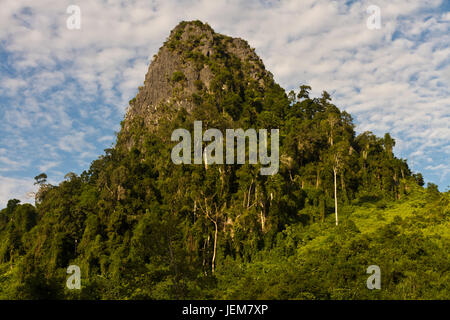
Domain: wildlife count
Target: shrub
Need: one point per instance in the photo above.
(178, 76)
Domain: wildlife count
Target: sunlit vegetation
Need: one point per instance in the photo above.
(141, 227)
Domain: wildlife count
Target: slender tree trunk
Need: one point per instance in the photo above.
(335, 195)
(11, 259)
(215, 246)
(249, 194)
(263, 221)
(318, 179)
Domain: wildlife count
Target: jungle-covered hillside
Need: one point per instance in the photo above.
(141, 227)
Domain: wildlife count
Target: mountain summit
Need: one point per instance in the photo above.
(193, 64)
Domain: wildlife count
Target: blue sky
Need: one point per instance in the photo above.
(64, 92)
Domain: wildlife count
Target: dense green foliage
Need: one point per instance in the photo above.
(141, 227)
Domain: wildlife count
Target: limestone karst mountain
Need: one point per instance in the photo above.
(140, 226)
(193, 63)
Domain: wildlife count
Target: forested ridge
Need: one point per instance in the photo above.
(141, 227)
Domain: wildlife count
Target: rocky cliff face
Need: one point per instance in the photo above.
(194, 62)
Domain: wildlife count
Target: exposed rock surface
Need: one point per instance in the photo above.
(190, 62)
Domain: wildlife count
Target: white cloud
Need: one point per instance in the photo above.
(74, 143)
(9, 86)
(11, 188)
(105, 138)
(48, 165)
(446, 16)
